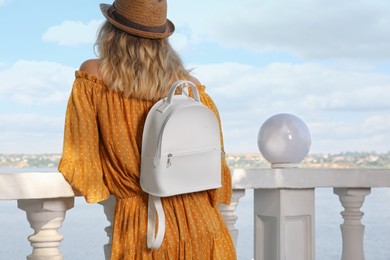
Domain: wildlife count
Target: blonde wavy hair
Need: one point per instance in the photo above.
(137, 67)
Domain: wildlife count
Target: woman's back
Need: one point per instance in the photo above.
(101, 156)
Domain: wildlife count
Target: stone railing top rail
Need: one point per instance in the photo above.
(300, 178)
(34, 185)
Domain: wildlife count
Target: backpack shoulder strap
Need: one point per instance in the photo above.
(155, 208)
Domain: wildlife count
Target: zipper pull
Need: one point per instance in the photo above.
(169, 163)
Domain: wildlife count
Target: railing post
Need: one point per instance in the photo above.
(109, 208)
(284, 218)
(352, 229)
(46, 217)
(284, 224)
(230, 218)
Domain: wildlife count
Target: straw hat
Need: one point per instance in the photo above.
(143, 18)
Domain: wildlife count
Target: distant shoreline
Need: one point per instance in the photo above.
(235, 160)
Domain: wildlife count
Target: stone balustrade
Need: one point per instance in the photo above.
(284, 208)
(284, 213)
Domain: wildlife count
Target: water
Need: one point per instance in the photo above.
(83, 231)
(84, 225)
(328, 219)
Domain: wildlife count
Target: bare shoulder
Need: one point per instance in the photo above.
(91, 67)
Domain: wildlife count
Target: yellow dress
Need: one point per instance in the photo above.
(101, 156)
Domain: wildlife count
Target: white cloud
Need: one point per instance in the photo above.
(336, 100)
(368, 134)
(31, 123)
(34, 97)
(3, 2)
(309, 29)
(346, 108)
(30, 133)
(297, 86)
(180, 42)
(72, 33)
(36, 83)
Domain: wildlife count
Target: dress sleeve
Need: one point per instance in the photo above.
(80, 163)
(223, 194)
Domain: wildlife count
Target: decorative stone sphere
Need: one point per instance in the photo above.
(284, 140)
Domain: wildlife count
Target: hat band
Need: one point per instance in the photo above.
(123, 20)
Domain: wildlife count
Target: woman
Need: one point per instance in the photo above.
(110, 99)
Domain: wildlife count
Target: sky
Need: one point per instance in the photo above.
(324, 61)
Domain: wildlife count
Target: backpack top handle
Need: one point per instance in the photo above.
(182, 84)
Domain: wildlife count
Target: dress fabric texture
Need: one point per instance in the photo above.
(101, 156)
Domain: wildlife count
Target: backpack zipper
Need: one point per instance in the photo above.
(189, 152)
(169, 163)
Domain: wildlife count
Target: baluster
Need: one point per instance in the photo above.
(352, 229)
(230, 218)
(109, 208)
(45, 217)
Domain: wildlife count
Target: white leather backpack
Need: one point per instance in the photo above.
(181, 153)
